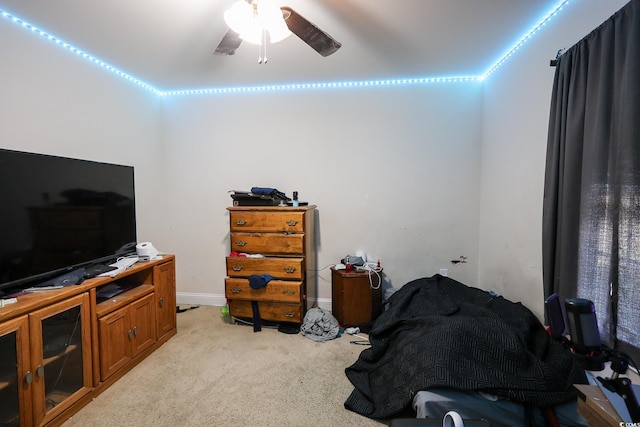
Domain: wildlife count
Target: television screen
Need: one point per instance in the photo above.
(58, 214)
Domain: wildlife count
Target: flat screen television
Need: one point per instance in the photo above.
(59, 214)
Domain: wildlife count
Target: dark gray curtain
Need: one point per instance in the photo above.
(591, 211)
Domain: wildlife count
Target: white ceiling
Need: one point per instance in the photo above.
(169, 44)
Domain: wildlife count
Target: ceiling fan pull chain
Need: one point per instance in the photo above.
(260, 48)
(264, 46)
(259, 54)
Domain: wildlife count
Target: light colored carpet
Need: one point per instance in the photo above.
(214, 373)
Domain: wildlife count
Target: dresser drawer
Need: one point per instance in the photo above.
(275, 291)
(268, 243)
(275, 312)
(279, 268)
(290, 222)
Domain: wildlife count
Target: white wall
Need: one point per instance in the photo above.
(393, 171)
(415, 175)
(514, 140)
(54, 102)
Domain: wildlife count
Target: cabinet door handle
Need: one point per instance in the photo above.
(290, 269)
(236, 267)
(240, 222)
(235, 290)
(161, 302)
(130, 334)
(28, 377)
(135, 331)
(292, 223)
(40, 371)
(241, 243)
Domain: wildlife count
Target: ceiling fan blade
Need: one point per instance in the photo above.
(320, 41)
(229, 43)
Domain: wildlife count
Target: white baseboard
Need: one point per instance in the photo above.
(324, 303)
(191, 298)
(200, 299)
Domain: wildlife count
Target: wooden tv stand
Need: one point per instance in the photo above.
(78, 344)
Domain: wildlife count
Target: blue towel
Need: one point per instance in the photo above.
(267, 191)
(263, 191)
(257, 282)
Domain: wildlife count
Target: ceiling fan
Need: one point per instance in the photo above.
(308, 32)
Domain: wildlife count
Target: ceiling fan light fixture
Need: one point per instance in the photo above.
(279, 32)
(239, 16)
(251, 20)
(252, 35)
(271, 19)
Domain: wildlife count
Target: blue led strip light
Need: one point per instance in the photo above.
(79, 52)
(296, 86)
(327, 85)
(552, 13)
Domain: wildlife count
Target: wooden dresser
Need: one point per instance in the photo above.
(284, 236)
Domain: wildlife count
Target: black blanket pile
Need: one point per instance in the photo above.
(438, 332)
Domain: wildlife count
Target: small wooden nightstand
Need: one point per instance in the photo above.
(354, 301)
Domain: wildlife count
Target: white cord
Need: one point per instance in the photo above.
(373, 268)
(326, 266)
(362, 341)
(120, 258)
(361, 337)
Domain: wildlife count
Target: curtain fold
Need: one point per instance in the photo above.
(591, 207)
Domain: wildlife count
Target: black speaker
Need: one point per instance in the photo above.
(583, 324)
(555, 316)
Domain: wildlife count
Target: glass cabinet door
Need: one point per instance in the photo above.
(15, 379)
(61, 357)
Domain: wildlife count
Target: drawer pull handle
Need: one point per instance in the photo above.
(288, 292)
(236, 267)
(290, 269)
(241, 243)
(238, 309)
(235, 290)
(290, 313)
(240, 222)
(292, 223)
